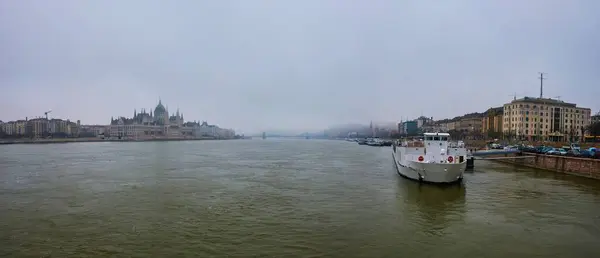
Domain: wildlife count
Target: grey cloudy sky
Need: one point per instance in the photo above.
(255, 65)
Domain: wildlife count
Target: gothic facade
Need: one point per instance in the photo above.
(159, 124)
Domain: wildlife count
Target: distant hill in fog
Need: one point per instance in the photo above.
(344, 127)
(389, 125)
(356, 127)
(332, 130)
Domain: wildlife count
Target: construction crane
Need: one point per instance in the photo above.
(46, 113)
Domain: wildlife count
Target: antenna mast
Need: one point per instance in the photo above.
(542, 84)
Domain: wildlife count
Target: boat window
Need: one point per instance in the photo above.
(436, 138)
(444, 138)
(429, 138)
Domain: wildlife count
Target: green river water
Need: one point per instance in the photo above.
(279, 198)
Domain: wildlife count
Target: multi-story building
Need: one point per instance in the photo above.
(451, 125)
(410, 127)
(59, 127)
(20, 127)
(143, 125)
(400, 128)
(422, 121)
(37, 127)
(544, 119)
(206, 130)
(74, 127)
(492, 122)
(434, 127)
(148, 125)
(469, 124)
(8, 128)
(93, 130)
(596, 118)
(158, 124)
(40, 127)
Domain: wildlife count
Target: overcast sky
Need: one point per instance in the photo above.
(303, 65)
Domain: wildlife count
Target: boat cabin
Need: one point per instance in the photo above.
(436, 141)
(437, 137)
(438, 149)
(434, 148)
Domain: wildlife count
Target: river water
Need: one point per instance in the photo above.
(279, 198)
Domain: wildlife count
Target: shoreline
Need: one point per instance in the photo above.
(78, 140)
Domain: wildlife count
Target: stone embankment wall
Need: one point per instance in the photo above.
(569, 165)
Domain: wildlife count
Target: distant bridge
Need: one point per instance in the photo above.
(284, 136)
(301, 136)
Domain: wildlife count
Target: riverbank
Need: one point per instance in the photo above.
(94, 139)
(584, 167)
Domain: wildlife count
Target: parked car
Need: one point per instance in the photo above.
(545, 150)
(562, 151)
(586, 154)
(496, 146)
(575, 146)
(557, 151)
(539, 149)
(528, 148)
(573, 153)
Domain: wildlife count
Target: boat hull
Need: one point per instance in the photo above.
(436, 173)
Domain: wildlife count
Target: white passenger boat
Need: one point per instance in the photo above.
(432, 159)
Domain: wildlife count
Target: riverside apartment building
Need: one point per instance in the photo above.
(539, 119)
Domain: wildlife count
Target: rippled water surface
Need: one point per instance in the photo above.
(279, 198)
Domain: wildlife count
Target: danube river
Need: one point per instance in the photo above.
(279, 198)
